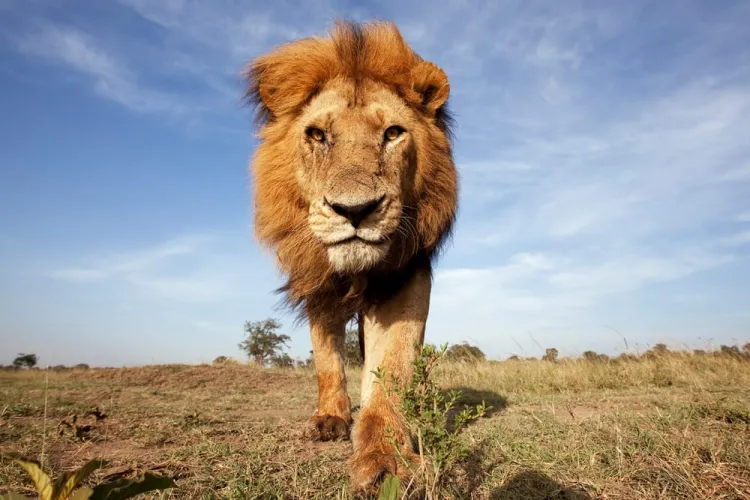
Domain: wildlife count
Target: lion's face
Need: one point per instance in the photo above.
(354, 169)
(356, 151)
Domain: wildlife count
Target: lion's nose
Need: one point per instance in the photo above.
(356, 212)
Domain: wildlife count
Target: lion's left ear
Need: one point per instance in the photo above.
(431, 83)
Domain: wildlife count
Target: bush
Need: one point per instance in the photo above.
(550, 355)
(731, 351)
(595, 357)
(426, 412)
(220, 360)
(464, 353)
(626, 358)
(282, 361)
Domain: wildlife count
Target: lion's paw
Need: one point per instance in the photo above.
(327, 428)
(369, 469)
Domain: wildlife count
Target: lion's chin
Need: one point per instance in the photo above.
(356, 256)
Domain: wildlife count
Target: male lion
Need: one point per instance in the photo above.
(355, 191)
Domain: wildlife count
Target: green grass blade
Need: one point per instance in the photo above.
(69, 481)
(126, 488)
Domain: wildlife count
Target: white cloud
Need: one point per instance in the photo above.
(738, 239)
(110, 77)
(188, 269)
(80, 275)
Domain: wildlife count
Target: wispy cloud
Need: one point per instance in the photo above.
(186, 269)
(110, 77)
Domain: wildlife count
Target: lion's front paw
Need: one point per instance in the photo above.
(368, 469)
(327, 428)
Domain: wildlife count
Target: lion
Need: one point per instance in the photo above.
(356, 192)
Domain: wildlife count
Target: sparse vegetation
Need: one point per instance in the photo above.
(427, 411)
(672, 426)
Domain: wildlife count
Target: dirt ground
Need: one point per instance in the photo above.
(234, 431)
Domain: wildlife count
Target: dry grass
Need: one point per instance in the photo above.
(672, 427)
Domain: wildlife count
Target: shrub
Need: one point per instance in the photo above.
(550, 355)
(464, 352)
(595, 357)
(426, 411)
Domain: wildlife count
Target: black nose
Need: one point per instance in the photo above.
(356, 213)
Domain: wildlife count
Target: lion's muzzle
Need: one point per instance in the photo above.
(355, 211)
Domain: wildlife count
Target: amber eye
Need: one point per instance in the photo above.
(316, 134)
(392, 133)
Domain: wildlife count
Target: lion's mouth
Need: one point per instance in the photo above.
(344, 241)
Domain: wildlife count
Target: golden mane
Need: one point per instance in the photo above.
(280, 84)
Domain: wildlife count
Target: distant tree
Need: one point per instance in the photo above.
(81, 366)
(699, 352)
(550, 355)
(464, 352)
(263, 343)
(514, 357)
(626, 357)
(352, 352)
(220, 360)
(594, 357)
(310, 362)
(282, 360)
(732, 351)
(658, 351)
(25, 360)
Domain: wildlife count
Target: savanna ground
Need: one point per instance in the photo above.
(675, 426)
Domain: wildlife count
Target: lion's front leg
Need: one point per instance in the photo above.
(393, 333)
(333, 415)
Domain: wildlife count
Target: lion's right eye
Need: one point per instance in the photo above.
(316, 134)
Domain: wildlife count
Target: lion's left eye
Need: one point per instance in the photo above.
(316, 134)
(392, 133)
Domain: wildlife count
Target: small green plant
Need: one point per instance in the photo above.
(427, 412)
(69, 485)
(390, 489)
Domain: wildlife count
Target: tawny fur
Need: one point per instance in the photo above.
(363, 76)
(280, 84)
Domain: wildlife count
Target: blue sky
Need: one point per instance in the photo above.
(603, 151)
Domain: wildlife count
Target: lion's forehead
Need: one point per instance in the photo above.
(371, 105)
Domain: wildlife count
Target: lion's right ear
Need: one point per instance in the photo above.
(281, 81)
